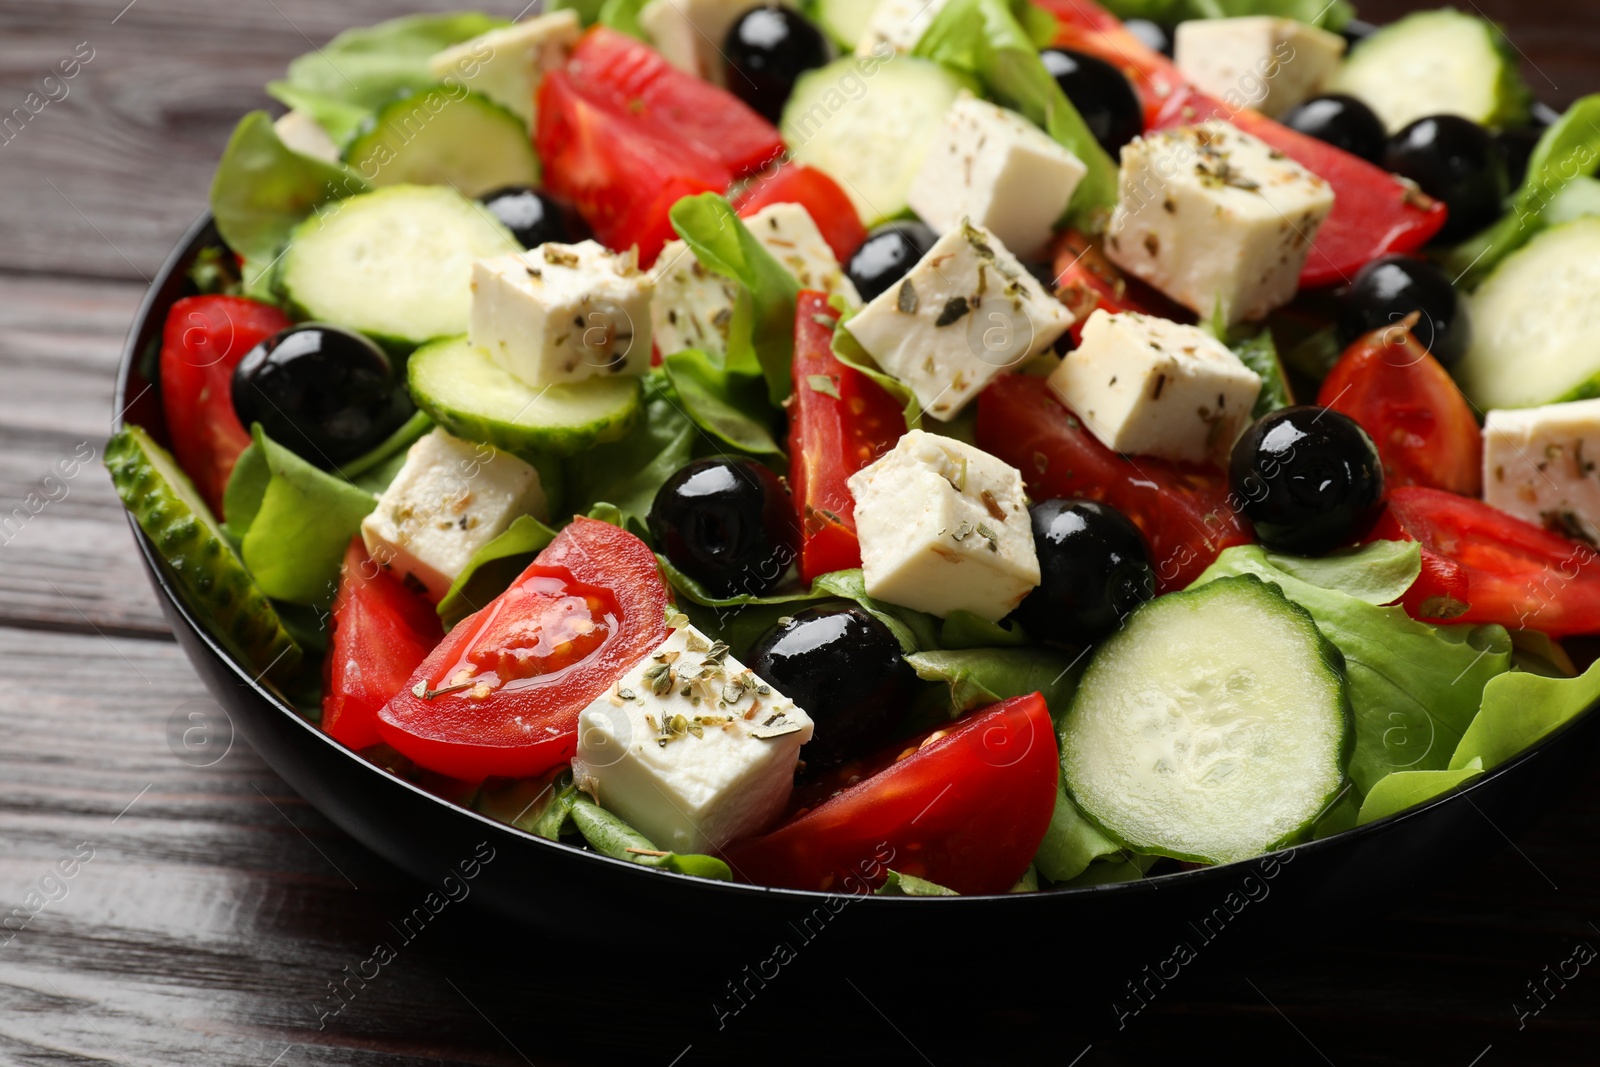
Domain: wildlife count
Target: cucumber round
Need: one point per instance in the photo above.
(170, 512)
(1536, 336)
(441, 137)
(1213, 727)
(395, 264)
(1437, 63)
(867, 123)
(468, 394)
(846, 21)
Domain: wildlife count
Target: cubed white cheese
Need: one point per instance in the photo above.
(692, 34)
(301, 133)
(450, 499)
(1270, 64)
(1149, 387)
(507, 65)
(690, 748)
(693, 306)
(897, 25)
(944, 527)
(562, 313)
(1216, 218)
(1540, 465)
(968, 311)
(996, 168)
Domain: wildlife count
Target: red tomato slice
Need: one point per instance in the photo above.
(1374, 214)
(621, 176)
(828, 205)
(381, 632)
(204, 340)
(1424, 428)
(1184, 511)
(1086, 281)
(675, 106)
(830, 439)
(967, 810)
(588, 608)
(1518, 575)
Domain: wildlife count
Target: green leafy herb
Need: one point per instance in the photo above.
(375, 470)
(847, 350)
(610, 836)
(625, 474)
(1520, 710)
(623, 16)
(1071, 843)
(909, 885)
(978, 677)
(1261, 355)
(537, 805)
(493, 568)
(1407, 789)
(721, 403)
(963, 629)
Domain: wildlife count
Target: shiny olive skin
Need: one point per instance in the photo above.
(327, 394)
(1308, 478)
(1515, 149)
(1344, 122)
(846, 670)
(887, 255)
(1101, 93)
(767, 50)
(1152, 34)
(1094, 570)
(1389, 290)
(535, 218)
(1452, 159)
(728, 524)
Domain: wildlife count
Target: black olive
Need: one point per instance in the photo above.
(846, 670)
(1344, 122)
(1153, 35)
(535, 218)
(327, 394)
(1390, 289)
(1308, 478)
(767, 50)
(728, 524)
(1094, 569)
(1101, 93)
(888, 253)
(1454, 160)
(1515, 148)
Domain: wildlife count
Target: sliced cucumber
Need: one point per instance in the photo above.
(1213, 727)
(395, 263)
(846, 21)
(468, 394)
(443, 136)
(1437, 63)
(1578, 199)
(170, 512)
(1536, 331)
(868, 123)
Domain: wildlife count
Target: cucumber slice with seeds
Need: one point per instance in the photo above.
(440, 137)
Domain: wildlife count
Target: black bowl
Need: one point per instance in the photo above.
(562, 892)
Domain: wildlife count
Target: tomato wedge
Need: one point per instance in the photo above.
(204, 340)
(621, 176)
(1424, 428)
(840, 421)
(1518, 575)
(966, 810)
(674, 105)
(1374, 213)
(829, 206)
(1086, 281)
(500, 696)
(381, 632)
(1183, 511)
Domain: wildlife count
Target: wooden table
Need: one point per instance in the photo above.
(208, 909)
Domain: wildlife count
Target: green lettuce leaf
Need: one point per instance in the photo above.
(847, 350)
(1260, 354)
(493, 568)
(1407, 789)
(588, 10)
(1414, 688)
(375, 470)
(720, 403)
(626, 473)
(983, 38)
(962, 629)
(909, 885)
(263, 190)
(608, 835)
(623, 16)
(1071, 843)
(1331, 16)
(978, 677)
(1520, 710)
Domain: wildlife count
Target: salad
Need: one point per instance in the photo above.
(952, 447)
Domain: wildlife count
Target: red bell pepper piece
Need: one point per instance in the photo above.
(1086, 281)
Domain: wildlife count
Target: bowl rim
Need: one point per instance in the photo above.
(178, 260)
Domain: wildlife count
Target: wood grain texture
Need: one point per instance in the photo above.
(217, 907)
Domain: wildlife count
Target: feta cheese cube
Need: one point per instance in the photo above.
(897, 25)
(944, 527)
(1149, 387)
(1540, 465)
(301, 133)
(691, 748)
(693, 305)
(690, 34)
(507, 65)
(1215, 218)
(967, 312)
(999, 170)
(450, 499)
(1270, 64)
(562, 313)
